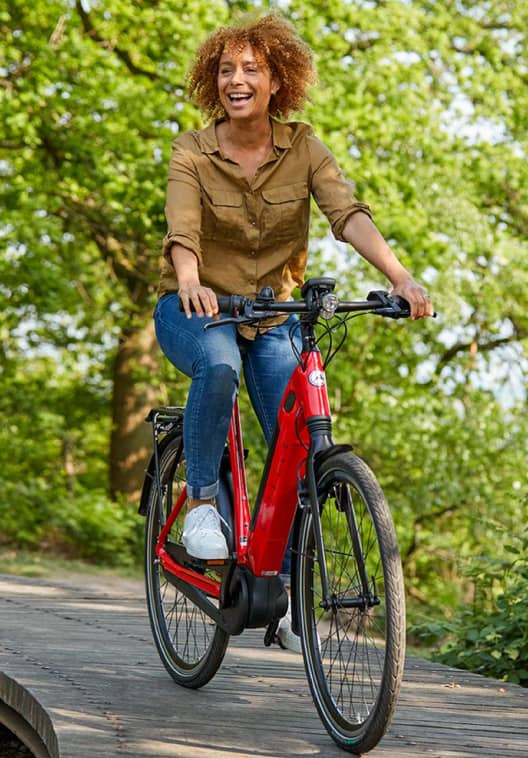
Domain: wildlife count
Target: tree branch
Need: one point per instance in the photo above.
(123, 55)
(360, 44)
(482, 347)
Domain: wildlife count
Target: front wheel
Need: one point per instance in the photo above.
(191, 646)
(353, 635)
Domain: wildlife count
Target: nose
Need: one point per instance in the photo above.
(238, 75)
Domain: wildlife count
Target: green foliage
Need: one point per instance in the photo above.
(424, 105)
(53, 465)
(94, 528)
(489, 633)
(87, 526)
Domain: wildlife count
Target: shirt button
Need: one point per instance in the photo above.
(252, 252)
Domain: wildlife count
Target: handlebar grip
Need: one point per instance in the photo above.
(406, 308)
(388, 306)
(402, 303)
(231, 304)
(226, 303)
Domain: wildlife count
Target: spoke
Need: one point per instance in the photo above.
(351, 650)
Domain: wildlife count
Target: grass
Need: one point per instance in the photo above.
(22, 562)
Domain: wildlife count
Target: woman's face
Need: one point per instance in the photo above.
(245, 84)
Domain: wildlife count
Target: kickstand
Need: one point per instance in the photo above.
(271, 633)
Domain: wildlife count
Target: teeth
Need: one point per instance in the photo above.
(239, 97)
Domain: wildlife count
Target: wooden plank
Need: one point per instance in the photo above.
(82, 648)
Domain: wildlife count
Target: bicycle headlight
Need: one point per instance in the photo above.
(329, 303)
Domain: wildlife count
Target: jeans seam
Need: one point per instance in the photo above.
(248, 368)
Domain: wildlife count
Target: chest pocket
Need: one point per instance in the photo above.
(286, 211)
(223, 215)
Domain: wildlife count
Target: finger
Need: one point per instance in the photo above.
(418, 307)
(426, 307)
(429, 310)
(197, 303)
(214, 303)
(184, 299)
(210, 303)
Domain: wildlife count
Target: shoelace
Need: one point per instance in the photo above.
(209, 520)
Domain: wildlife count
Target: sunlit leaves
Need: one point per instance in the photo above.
(424, 105)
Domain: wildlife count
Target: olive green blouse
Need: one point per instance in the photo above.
(247, 234)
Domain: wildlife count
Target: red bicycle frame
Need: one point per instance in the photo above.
(305, 397)
(261, 539)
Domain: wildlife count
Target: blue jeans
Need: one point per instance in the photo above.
(213, 359)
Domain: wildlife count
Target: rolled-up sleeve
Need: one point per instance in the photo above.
(333, 193)
(183, 207)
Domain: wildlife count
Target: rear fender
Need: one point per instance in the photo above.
(150, 472)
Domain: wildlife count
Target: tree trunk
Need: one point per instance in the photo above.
(135, 392)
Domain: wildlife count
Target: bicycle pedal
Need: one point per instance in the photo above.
(201, 564)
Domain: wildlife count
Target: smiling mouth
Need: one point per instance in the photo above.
(239, 98)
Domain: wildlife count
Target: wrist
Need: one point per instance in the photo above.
(399, 276)
(188, 283)
(400, 281)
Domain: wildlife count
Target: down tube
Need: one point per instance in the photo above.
(305, 397)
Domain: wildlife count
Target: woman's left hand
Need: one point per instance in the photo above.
(416, 296)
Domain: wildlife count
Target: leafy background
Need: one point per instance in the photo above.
(424, 104)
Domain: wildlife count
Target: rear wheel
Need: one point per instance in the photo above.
(190, 645)
(354, 640)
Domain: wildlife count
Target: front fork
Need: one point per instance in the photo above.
(321, 443)
(321, 447)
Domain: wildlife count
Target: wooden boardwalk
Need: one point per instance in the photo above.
(77, 660)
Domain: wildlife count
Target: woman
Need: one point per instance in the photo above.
(238, 210)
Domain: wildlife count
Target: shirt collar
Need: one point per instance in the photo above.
(208, 141)
(281, 134)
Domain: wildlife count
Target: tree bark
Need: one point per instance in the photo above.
(134, 376)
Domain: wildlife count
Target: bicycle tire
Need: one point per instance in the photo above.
(190, 644)
(353, 656)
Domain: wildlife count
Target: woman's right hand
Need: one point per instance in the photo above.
(203, 300)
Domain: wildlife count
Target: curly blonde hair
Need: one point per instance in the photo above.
(288, 57)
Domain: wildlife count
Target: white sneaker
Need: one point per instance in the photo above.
(285, 636)
(202, 535)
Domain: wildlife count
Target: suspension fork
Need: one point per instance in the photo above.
(323, 445)
(366, 598)
(318, 532)
(357, 547)
(320, 441)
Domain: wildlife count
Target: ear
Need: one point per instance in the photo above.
(275, 86)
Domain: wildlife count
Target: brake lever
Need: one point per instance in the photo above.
(222, 322)
(246, 320)
(393, 307)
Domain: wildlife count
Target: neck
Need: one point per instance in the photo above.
(248, 135)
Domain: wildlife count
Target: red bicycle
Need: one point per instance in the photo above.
(347, 598)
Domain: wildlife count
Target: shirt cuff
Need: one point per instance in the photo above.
(339, 225)
(172, 238)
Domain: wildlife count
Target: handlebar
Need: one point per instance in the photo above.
(318, 303)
